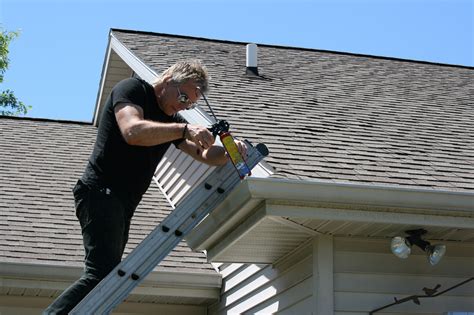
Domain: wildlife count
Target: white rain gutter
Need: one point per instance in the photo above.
(157, 283)
(332, 201)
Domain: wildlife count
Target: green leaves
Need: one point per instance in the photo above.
(5, 38)
(9, 104)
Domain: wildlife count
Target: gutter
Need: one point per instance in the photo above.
(270, 197)
(158, 283)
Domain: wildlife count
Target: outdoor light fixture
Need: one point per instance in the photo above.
(401, 246)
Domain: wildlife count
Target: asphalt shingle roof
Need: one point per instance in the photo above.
(324, 116)
(334, 116)
(40, 162)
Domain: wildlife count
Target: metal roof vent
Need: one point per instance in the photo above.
(252, 67)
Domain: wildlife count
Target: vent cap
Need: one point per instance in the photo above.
(252, 62)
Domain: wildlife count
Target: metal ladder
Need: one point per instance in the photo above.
(118, 284)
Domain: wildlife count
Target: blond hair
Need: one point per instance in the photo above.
(186, 70)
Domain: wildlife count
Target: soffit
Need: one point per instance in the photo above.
(268, 225)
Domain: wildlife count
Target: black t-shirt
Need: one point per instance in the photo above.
(126, 169)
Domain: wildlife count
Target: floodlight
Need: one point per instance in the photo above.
(401, 246)
(435, 253)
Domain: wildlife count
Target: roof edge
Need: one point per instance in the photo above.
(285, 197)
(357, 193)
(61, 273)
(294, 47)
(47, 120)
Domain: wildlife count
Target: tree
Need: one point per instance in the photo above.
(9, 104)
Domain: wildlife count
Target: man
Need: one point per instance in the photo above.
(138, 124)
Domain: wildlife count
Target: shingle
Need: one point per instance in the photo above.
(377, 113)
(39, 164)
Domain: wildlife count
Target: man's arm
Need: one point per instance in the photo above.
(138, 131)
(198, 143)
(215, 155)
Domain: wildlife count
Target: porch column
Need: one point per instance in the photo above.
(323, 275)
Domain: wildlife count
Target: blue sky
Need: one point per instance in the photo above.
(56, 62)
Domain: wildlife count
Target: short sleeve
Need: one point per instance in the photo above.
(130, 90)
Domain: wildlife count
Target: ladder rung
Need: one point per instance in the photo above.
(115, 287)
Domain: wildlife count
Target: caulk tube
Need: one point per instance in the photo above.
(234, 154)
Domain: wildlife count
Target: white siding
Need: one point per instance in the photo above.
(284, 288)
(366, 276)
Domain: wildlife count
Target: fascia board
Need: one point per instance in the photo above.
(389, 217)
(331, 201)
(30, 275)
(195, 116)
(223, 218)
(137, 65)
(315, 192)
(100, 92)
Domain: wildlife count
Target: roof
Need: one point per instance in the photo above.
(41, 161)
(336, 117)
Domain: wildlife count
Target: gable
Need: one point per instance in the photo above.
(336, 117)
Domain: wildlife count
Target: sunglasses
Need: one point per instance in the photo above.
(184, 99)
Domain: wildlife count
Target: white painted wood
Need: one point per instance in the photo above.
(370, 216)
(401, 284)
(259, 290)
(323, 267)
(286, 300)
(229, 269)
(387, 263)
(365, 276)
(244, 273)
(135, 63)
(294, 225)
(303, 307)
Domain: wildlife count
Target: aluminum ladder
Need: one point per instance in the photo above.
(118, 284)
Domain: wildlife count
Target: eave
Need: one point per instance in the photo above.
(180, 287)
(264, 219)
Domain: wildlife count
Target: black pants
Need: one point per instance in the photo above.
(105, 223)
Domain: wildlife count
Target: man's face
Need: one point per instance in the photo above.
(179, 97)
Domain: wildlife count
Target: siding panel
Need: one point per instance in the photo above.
(366, 276)
(253, 288)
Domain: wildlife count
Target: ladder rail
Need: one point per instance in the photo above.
(116, 286)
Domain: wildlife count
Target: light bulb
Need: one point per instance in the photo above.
(400, 247)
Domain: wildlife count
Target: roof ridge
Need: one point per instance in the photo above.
(294, 47)
(65, 121)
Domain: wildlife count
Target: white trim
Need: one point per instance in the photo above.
(102, 84)
(138, 66)
(362, 195)
(240, 231)
(323, 274)
(162, 283)
(370, 216)
(293, 225)
(332, 201)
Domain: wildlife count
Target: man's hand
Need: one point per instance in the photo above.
(200, 135)
(242, 148)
